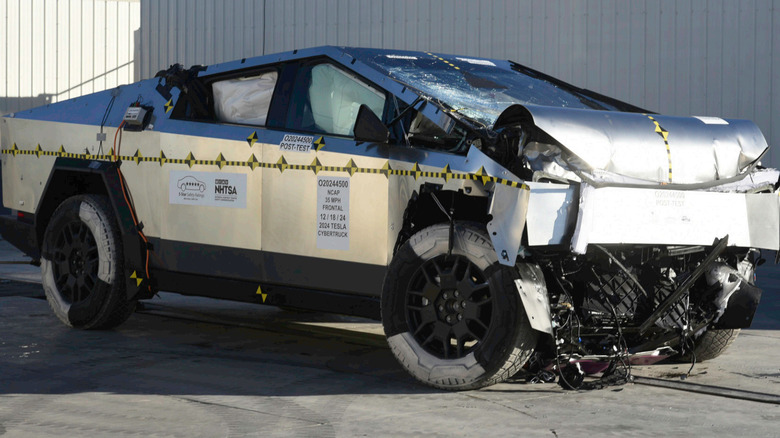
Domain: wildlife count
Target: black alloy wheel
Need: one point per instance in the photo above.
(82, 264)
(75, 262)
(449, 307)
(452, 314)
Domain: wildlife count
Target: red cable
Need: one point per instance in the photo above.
(113, 149)
(115, 155)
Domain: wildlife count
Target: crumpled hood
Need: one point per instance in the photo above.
(650, 147)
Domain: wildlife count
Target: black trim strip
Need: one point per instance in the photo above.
(21, 235)
(270, 294)
(262, 267)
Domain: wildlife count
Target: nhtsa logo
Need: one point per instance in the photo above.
(223, 187)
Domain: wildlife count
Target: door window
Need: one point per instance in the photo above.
(244, 100)
(326, 100)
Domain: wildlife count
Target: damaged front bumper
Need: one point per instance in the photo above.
(578, 216)
(620, 215)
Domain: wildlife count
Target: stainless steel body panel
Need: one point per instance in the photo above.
(617, 215)
(209, 224)
(290, 200)
(26, 172)
(552, 212)
(295, 211)
(662, 149)
(508, 206)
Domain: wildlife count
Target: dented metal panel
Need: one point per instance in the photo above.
(508, 206)
(651, 147)
(552, 212)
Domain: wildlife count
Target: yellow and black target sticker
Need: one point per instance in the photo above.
(350, 167)
(665, 135)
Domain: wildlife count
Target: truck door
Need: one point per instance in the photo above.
(212, 211)
(324, 206)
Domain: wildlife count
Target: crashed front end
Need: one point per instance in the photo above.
(641, 232)
(648, 228)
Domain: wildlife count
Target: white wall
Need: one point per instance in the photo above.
(52, 50)
(677, 57)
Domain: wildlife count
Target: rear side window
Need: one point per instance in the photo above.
(326, 100)
(244, 100)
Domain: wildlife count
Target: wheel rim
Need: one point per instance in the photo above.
(75, 262)
(449, 307)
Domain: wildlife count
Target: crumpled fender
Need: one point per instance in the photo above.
(508, 205)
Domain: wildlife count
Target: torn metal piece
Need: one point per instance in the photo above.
(729, 279)
(737, 299)
(533, 293)
(508, 206)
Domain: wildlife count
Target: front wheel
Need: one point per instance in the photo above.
(82, 264)
(454, 319)
(710, 345)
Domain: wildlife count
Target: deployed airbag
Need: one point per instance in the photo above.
(244, 100)
(336, 98)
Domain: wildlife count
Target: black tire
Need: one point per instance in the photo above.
(82, 265)
(487, 337)
(710, 345)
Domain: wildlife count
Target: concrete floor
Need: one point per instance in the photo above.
(194, 367)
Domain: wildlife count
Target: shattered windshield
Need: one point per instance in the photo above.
(477, 88)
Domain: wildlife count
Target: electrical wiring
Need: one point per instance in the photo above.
(115, 150)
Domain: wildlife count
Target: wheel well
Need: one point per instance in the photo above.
(62, 185)
(423, 210)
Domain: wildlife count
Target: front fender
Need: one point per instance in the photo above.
(508, 207)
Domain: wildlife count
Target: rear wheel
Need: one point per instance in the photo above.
(455, 320)
(82, 265)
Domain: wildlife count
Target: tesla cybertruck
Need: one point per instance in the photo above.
(491, 216)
